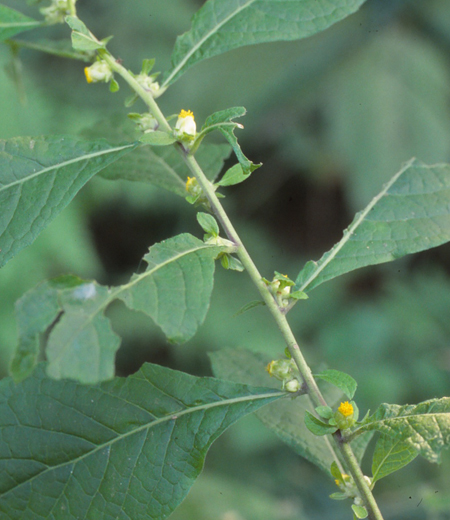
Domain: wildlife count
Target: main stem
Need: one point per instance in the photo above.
(277, 313)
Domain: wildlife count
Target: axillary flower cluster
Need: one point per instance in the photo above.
(57, 11)
(286, 371)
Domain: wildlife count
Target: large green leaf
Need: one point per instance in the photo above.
(410, 214)
(128, 448)
(12, 22)
(174, 291)
(390, 455)
(424, 428)
(39, 176)
(165, 168)
(286, 418)
(222, 25)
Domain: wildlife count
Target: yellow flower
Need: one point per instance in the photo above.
(269, 368)
(98, 72)
(190, 182)
(185, 127)
(346, 409)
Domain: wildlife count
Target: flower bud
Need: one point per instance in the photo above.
(145, 122)
(98, 72)
(185, 127)
(344, 416)
(56, 12)
(292, 386)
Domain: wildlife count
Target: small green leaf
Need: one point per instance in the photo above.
(338, 496)
(157, 138)
(114, 86)
(233, 175)
(424, 427)
(147, 66)
(316, 426)
(391, 455)
(137, 444)
(230, 262)
(343, 381)
(222, 25)
(12, 22)
(222, 121)
(360, 511)
(208, 223)
(325, 412)
(410, 214)
(335, 471)
(39, 176)
(82, 38)
(249, 306)
(299, 295)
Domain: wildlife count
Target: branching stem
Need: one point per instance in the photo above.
(278, 314)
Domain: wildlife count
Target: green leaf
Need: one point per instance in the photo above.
(174, 291)
(208, 223)
(360, 511)
(410, 214)
(250, 305)
(325, 412)
(343, 381)
(157, 138)
(82, 38)
(390, 455)
(164, 167)
(318, 427)
(222, 121)
(114, 87)
(234, 175)
(12, 22)
(222, 25)
(39, 176)
(286, 417)
(128, 448)
(424, 427)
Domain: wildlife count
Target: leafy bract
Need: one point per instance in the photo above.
(287, 417)
(390, 455)
(222, 25)
(410, 214)
(223, 121)
(343, 381)
(12, 22)
(82, 38)
(424, 428)
(39, 176)
(165, 168)
(128, 448)
(174, 291)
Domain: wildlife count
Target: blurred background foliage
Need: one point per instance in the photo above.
(332, 118)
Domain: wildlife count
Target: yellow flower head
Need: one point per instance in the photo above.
(269, 367)
(190, 183)
(88, 74)
(346, 409)
(186, 113)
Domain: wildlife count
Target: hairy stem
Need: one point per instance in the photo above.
(278, 314)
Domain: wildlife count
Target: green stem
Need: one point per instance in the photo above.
(358, 477)
(278, 314)
(73, 10)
